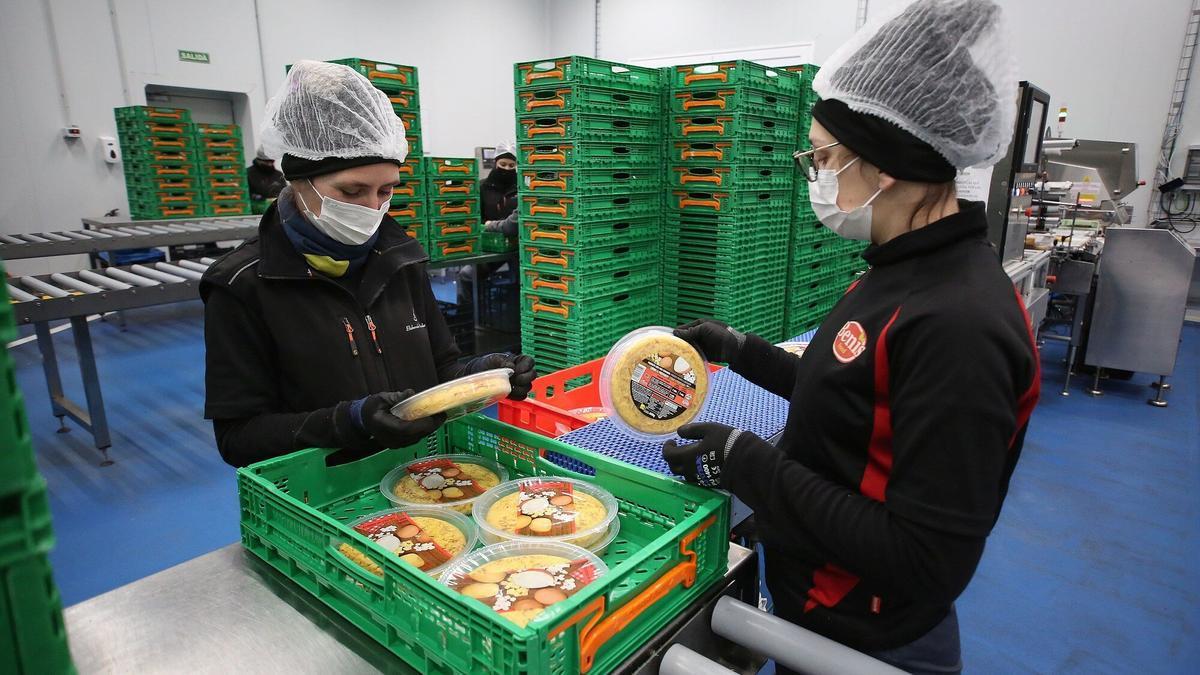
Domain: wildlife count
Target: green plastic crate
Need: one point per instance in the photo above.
(451, 188)
(572, 99)
(589, 181)
(218, 130)
(588, 286)
(413, 168)
(585, 71)
(149, 212)
(33, 637)
(162, 197)
(451, 167)
(150, 113)
(727, 126)
(450, 249)
(385, 76)
(577, 207)
(134, 129)
(740, 177)
(735, 73)
(224, 145)
(408, 189)
(496, 242)
(140, 173)
(158, 156)
(453, 228)
(226, 195)
(718, 202)
(25, 526)
(673, 546)
(410, 119)
(222, 156)
(732, 100)
(588, 155)
(578, 310)
(140, 181)
(728, 153)
(454, 208)
(242, 208)
(407, 209)
(589, 127)
(405, 101)
(237, 184)
(589, 233)
(588, 260)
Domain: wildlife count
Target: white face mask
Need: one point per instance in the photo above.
(853, 224)
(348, 223)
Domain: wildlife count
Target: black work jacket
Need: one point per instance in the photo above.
(288, 348)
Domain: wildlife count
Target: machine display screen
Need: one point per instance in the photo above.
(1037, 120)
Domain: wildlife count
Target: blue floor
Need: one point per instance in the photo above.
(1091, 568)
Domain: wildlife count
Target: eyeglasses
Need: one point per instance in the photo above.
(805, 160)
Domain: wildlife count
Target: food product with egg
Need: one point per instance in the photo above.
(458, 397)
(548, 508)
(652, 383)
(444, 480)
(425, 538)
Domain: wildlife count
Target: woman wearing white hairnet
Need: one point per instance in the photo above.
(317, 327)
(910, 405)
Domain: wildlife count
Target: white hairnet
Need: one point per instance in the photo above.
(330, 110)
(942, 70)
(506, 148)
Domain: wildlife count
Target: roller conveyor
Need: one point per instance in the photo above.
(110, 234)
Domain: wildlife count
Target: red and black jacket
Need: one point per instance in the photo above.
(908, 413)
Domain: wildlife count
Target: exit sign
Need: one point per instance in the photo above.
(194, 57)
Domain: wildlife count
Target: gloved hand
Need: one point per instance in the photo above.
(715, 339)
(701, 462)
(373, 415)
(522, 366)
(506, 226)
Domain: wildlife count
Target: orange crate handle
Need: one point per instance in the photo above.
(165, 127)
(465, 248)
(456, 209)
(700, 77)
(405, 190)
(177, 199)
(717, 102)
(560, 210)
(452, 168)
(454, 188)
(406, 169)
(164, 171)
(561, 184)
(713, 203)
(559, 260)
(466, 229)
(711, 178)
(165, 115)
(399, 100)
(559, 235)
(715, 127)
(596, 632)
(714, 154)
(411, 213)
(556, 129)
(388, 76)
(556, 286)
(221, 144)
(539, 156)
(179, 212)
(551, 309)
(556, 102)
(231, 172)
(532, 75)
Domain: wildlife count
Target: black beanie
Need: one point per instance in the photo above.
(885, 145)
(298, 167)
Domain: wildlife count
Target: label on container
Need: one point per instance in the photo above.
(445, 480)
(545, 508)
(397, 533)
(663, 385)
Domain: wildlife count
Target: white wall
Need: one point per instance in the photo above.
(572, 27)
(464, 51)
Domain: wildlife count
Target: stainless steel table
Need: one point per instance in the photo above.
(227, 612)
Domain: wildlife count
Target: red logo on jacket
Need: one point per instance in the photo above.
(851, 341)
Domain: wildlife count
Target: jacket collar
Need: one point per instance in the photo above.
(393, 250)
(969, 223)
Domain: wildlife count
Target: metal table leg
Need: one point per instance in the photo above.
(45, 343)
(1158, 401)
(1066, 390)
(97, 418)
(1095, 390)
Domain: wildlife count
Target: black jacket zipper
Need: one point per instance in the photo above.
(350, 336)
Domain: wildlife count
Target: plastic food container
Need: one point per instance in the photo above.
(796, 348)
(523, 581)
(454, 481)
(591, 414)
(548, 508)
(652, 383)
(457, 397)
(427, 538)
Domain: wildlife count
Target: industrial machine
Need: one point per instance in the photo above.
(1013, 178)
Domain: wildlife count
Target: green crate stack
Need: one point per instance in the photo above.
(453, 226)
(589, 192)
(729, 180)
(33, 638)
(821, 265)
(158, 151)
(221, 158)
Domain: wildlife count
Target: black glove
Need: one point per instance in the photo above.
(716, 340)
(373, 415)
(701, 462)
(522, 367)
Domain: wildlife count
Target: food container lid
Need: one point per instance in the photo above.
(457, 397)
(525, 594)
(591, 413)
(795, 347)
(429, 474)
(387, 529)
(652, 383)
(544, 510)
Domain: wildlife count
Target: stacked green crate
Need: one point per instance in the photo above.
(589, 188)
(158, 151)
(33, 638)
(399, 83)
(732, 128)
(821, 265)
(453, 227)
(222, 164)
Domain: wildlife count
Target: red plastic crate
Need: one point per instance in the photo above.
(553, 396)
